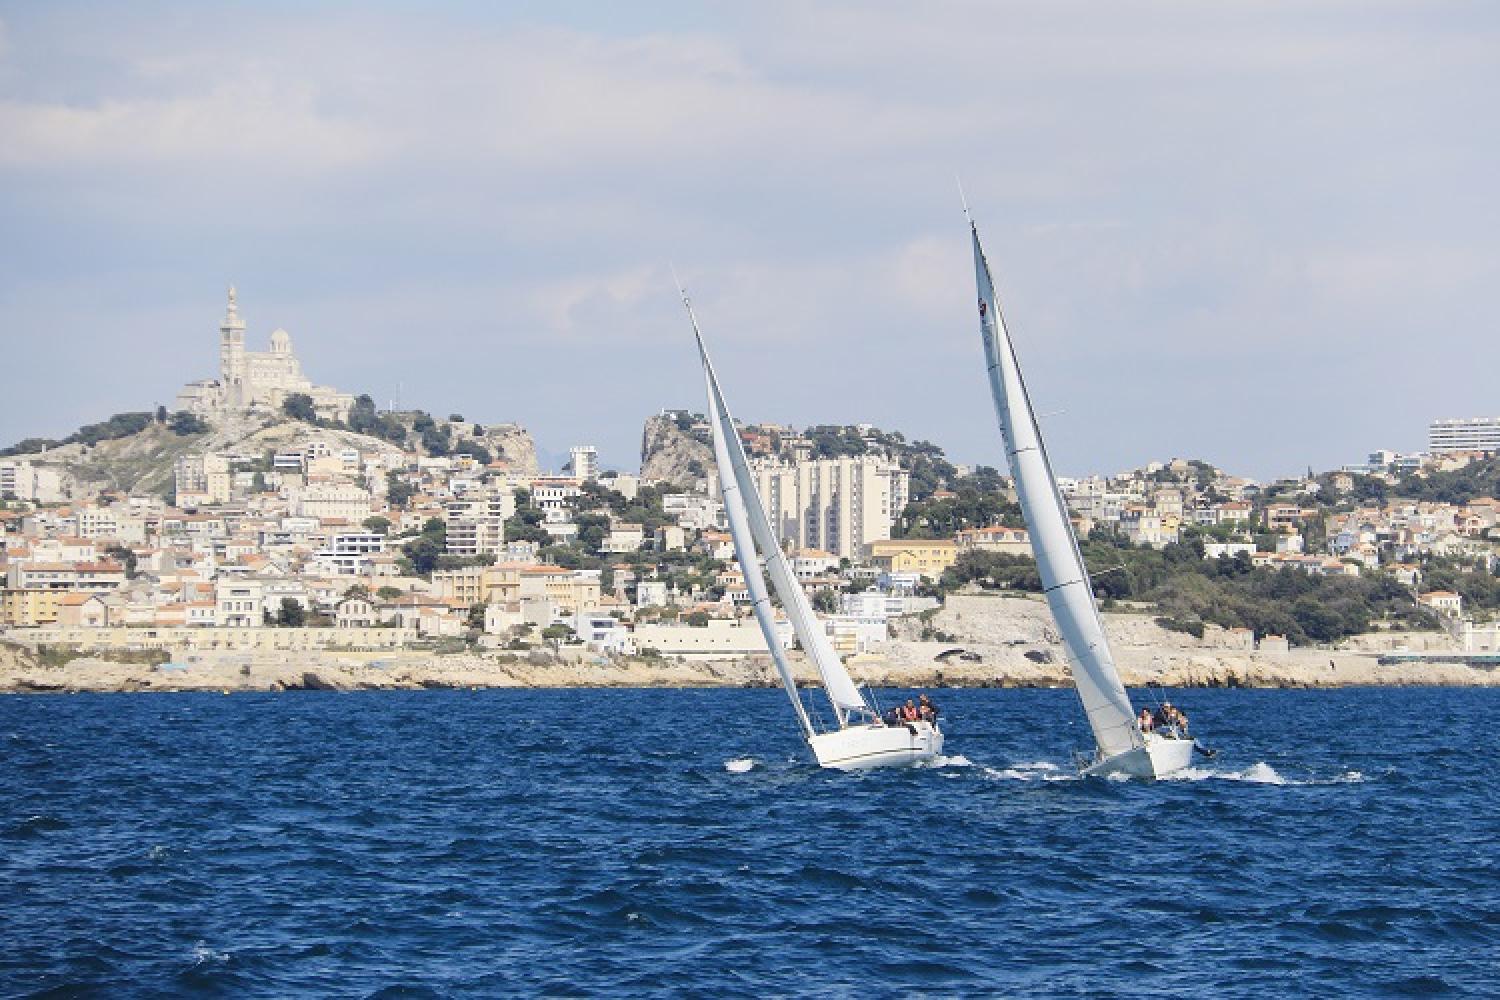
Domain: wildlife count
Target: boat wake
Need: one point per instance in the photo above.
(1039, 770)
(957, 760)
(1261, 773)
(739, 765)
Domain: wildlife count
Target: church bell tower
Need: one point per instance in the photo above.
(232, 371)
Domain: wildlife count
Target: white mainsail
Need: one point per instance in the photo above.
(755, 583)
(1064, 576)
(751, 531)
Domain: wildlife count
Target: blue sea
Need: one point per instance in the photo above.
(492, 843)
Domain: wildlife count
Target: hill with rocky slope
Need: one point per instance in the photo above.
(675, 449)
(143, 462)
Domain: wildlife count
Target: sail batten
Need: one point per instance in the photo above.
(750, 530)
(1065, 579)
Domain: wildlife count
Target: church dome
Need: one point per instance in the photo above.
(281, 342)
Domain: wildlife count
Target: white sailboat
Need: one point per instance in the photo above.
(860, 739)
(1122, 747)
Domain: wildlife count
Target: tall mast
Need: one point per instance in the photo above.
(842, 692)
(739, 531)
(1060, 564)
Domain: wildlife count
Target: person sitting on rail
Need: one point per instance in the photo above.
(1146, 722)
(1171, 717)
(927, 709)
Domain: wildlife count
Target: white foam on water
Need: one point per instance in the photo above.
(204, 955)
(1261, 773)
(1036, 770)
(957, 760)
(739, 765)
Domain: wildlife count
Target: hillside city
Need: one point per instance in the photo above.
(265, 512)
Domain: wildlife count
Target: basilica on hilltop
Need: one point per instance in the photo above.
(250, 380)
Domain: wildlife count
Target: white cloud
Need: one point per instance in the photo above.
(1164, 187)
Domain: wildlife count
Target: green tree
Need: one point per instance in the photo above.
(423, 552)
(299, 406)
(525, 525)
(124, 556)
(592, 530)
(292, 613)
(469, 446)
(378, 525)
(185, 424)
(824, 601)
(398, 491)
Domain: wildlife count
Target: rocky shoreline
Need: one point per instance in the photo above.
(986, 642)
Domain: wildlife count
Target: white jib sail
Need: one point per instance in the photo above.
(842, 691)
(1064, 576)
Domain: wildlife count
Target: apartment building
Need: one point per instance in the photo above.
(925, 557)
(997, 539)
(1470, 434)
(476, 521)
(839, 505)
(333, 501)
(202, 479)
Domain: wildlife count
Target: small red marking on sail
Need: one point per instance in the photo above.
(982, 307)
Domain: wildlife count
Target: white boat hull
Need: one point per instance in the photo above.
(860, 747)
(1160, 757)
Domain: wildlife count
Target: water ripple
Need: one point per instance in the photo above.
(455, 843)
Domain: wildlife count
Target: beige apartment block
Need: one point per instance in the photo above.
(26, 607)
(476, 521)
(839, 505)
(926, 557)
(997, 539)
(202, 479)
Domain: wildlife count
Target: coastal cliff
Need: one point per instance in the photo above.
(671, 453)
(512, 444)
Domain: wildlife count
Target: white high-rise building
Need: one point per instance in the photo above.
(1471, 434)
(476, 522)
(585, 462)
(839, 505)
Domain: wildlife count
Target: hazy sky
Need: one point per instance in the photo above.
(1265, 234)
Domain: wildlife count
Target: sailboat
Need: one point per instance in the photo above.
(858, 738)
(1121, 745)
